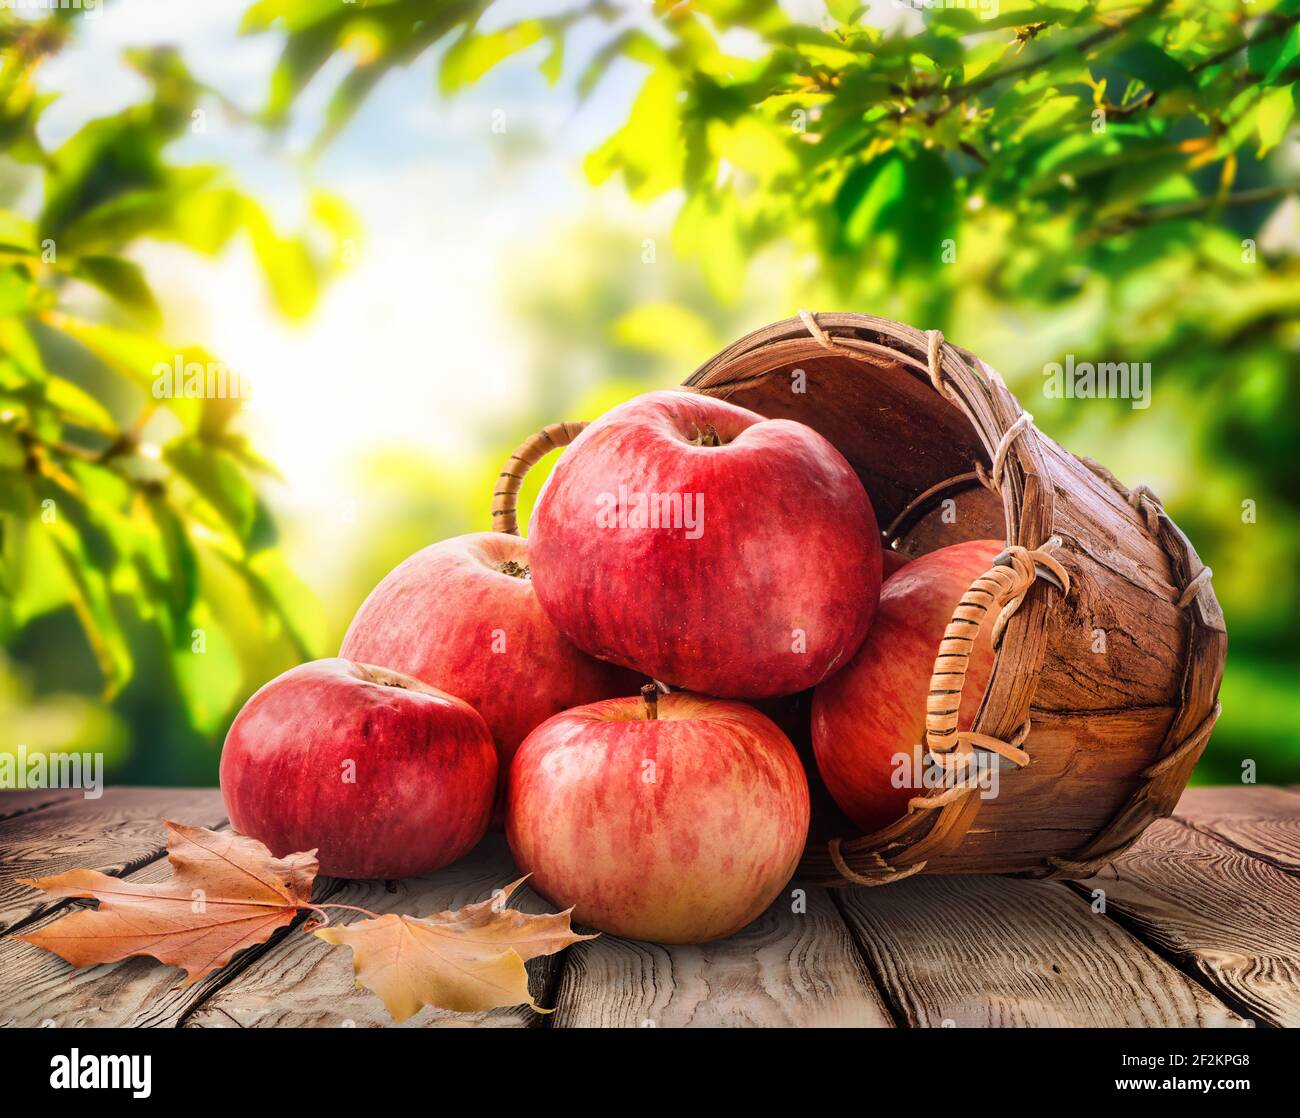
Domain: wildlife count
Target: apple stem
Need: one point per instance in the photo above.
(650, 696)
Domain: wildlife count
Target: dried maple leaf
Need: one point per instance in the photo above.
(470, 959)
(227, 893)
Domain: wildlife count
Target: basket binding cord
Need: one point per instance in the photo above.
(1143, 501)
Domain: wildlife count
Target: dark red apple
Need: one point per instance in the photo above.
(384, 775)
(707, 547)
(462, 615)
(891, 561)
(678, 828)
(873, 711)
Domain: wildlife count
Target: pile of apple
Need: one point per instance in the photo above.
(584, 688)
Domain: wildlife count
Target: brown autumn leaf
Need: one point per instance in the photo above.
(469, 960)
(227, 893)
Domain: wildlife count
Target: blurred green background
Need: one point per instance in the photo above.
(421, 229)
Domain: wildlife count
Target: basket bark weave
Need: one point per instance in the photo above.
(1110, 641)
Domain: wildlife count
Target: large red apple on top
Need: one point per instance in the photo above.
(873, 711)
(461, 615)
(385, 776)
(678, 821)
(707, 547)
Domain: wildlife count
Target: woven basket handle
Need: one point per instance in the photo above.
(1003, 586)
(532, 450)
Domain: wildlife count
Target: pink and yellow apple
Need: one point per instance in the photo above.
(865, 716)
(462, 616)
(707, 547)
(381, 774)
(677, 828)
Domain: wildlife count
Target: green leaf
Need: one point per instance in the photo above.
(179, 570)
(218, 480)
(143, 359)
(474, 54)
(205, 220)
(1276, 110)
(755, 145)
(295, 605)
(1272, 56)
(17, 233)
(286, 263)
(124, 282)
(208, 670)
(633, 44)
(16, 291)
(306, 50)
(1156, 69)
(333, 214)
(75, 405)
(866, 193)
(18, 346)
(899, 208)
(93, 606)
(39, 583)
(552, 66)
(648, 148)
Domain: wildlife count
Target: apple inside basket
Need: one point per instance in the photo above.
(1109, 640)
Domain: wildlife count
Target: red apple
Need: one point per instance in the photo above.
(678, 828)
(873, 711)
(707, 547)
(461, 615)
(384, 775)
(891, 561)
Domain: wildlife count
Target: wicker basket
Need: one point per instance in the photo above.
(1094, 744)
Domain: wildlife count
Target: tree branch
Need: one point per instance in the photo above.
(1194, 206)
(1276, 25)
(959, 93)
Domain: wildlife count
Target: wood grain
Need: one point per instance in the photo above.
(1261, 821)
(306, 982)
(117, 833)
(996, 952)
(13, 802)
(785, 969)
(40, 989)
(1225, 915)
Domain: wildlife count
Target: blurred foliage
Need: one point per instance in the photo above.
(1037, 179)
(1106, 179)
(131, 510)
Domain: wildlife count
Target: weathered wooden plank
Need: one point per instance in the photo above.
(14, 802)
(998, 952)
(1262, 821)
(785, 969)
(39, 988)
(117, 833)
(1230, 917)
(306, 982)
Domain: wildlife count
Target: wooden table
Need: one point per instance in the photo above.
(1198, 925)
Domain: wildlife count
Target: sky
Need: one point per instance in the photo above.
(406, 346)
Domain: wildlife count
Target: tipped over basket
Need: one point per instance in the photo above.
(1110, 642)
